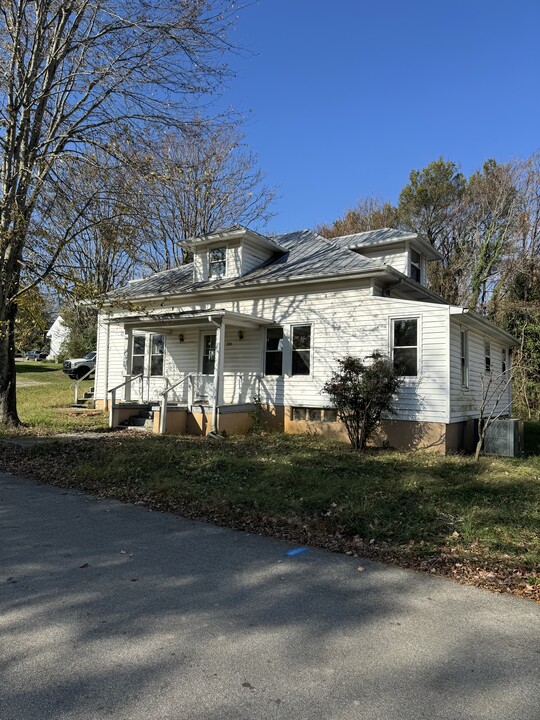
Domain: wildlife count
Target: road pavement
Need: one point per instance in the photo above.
(114, 611)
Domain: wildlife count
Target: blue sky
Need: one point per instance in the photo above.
(344, 98)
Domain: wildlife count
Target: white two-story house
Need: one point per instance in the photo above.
(256, 323)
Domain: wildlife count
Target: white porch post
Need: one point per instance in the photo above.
(129, 363)
(218, 372)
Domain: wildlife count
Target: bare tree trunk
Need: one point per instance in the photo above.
(8, 397)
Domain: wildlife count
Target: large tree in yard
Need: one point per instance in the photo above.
(73, 75)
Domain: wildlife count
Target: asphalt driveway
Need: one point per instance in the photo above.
(112, 610)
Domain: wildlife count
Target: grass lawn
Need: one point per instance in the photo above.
(44, 396)
(476, 522)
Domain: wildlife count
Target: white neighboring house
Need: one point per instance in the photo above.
(57, 334)
(258, 322)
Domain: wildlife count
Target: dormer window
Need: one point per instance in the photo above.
(415, 271)
(216, 262)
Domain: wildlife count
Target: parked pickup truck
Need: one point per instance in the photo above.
(78, 367)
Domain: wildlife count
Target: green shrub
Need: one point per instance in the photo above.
(361, 392)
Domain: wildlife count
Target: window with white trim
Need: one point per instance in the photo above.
(464, 357)
(217, 262)
(157, 351)
(487, 356)
(504, 360)
(405, 346)
(208, 354)
(273, 360)
(138, 354)
(301, 350)
(415, 268)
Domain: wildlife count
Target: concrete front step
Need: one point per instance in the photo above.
(144, 421)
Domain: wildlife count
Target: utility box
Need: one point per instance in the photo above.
(504, 437)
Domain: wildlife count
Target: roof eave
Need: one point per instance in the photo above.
(292, 280)
(234, 234)
(484, 322)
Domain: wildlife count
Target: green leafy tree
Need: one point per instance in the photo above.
(431, 204)
(32, 321)
(361, 392)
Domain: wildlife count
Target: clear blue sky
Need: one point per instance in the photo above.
(344, 98)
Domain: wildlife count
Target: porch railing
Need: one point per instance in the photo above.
(113, 390)
(163, 403)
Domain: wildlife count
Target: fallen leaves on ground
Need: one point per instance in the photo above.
(466, 564)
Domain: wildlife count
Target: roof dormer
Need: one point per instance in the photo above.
(406, 252)
(229, 253)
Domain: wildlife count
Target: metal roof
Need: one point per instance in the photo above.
(304, 255)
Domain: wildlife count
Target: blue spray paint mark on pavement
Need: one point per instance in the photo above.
(297, 551)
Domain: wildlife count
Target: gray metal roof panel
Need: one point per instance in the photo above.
(305, 255)
(374, 237)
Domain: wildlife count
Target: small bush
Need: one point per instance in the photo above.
(361, 392)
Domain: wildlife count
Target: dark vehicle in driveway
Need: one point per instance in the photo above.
(77, 368)
(36, 355)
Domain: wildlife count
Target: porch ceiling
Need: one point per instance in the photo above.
(190, 318)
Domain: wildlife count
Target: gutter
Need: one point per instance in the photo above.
(479, 320)
(228, 289)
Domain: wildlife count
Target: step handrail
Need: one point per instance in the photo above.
(164, 397)
(78, 381)
(113, 390)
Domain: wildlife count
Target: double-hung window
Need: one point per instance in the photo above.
(405, 346)
(139, 359)
(301, 350)
(464, 358)
(138, 354)
(208, 354)
(415, 270)
(217, 262)
(487, 356)
(157, 349)
(273, 361)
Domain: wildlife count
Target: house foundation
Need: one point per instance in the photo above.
(240, 419)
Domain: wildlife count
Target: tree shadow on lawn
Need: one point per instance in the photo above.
(36, 368)
(110, 607)
(326, 495)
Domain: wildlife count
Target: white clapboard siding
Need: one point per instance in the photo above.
(100, 381)
(397, 257)
(240, 387)
(110, 374)
(350, 321)
(200, 264)
(253, 255)
(465, 402)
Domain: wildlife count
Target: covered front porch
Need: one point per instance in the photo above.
(195, 371)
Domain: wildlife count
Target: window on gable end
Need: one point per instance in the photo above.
(487, 356)
(217, 262)
(415, 270)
